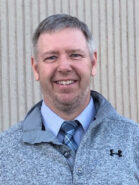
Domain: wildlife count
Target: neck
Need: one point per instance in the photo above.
(68, 112)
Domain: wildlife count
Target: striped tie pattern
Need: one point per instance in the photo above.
(68, 129)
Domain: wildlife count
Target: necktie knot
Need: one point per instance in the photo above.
(69, 127)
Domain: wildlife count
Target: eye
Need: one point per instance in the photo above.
(76, 56)
(50, 59)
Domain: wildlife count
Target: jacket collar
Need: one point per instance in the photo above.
(32, 125)
(103, 106)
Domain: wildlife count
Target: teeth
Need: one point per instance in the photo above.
(65, 82)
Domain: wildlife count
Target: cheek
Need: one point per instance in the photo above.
(85, 71)
(46, 75)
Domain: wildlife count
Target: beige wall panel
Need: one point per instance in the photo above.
(35, 20)
(12, 63)
(110, 52)
(131, 59)
(88, 16)
(4, 68)
(124, 58)
(102, 47)
(51, 4)
(117, 64)
(115, 28)
(57, 4)
(65, 6)
(80, 9)
(136, 14)
(96, 35)
(27, 52)
(73, 7)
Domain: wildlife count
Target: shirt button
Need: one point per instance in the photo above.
(66, 154)
(79, 171)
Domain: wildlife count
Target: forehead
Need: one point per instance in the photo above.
(66, 38)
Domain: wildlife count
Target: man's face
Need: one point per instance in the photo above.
(64, 68)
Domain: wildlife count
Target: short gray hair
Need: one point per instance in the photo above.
(58, 22)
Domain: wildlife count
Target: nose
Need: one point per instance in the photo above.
(64, 65)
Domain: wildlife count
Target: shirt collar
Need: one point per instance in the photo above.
(87, 115)
(50, 119)
(53, 122)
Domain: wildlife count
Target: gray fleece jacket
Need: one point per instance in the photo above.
(108, 153)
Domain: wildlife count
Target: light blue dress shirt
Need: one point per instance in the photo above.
(53, 122)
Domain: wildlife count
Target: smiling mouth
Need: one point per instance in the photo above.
(65, 82)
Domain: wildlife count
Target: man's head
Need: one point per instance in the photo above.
(58, 22)
(63, 64)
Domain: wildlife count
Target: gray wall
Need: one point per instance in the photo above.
(115, 26)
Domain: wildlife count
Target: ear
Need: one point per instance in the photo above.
(35, 68)
(94, 63)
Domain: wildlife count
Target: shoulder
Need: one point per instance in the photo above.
(121, 120)
(10, 137)
(124, 127)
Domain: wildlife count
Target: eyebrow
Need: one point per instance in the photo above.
(50, 52)
(75, 50)
(53, 52)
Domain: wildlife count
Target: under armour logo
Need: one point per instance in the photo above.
(119, 153)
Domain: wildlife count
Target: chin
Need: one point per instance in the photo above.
(66, 99)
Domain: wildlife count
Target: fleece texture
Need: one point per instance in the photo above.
(108, 153)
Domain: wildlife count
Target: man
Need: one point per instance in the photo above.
(73, 136)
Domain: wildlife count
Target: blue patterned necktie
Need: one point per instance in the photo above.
(68, 129)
